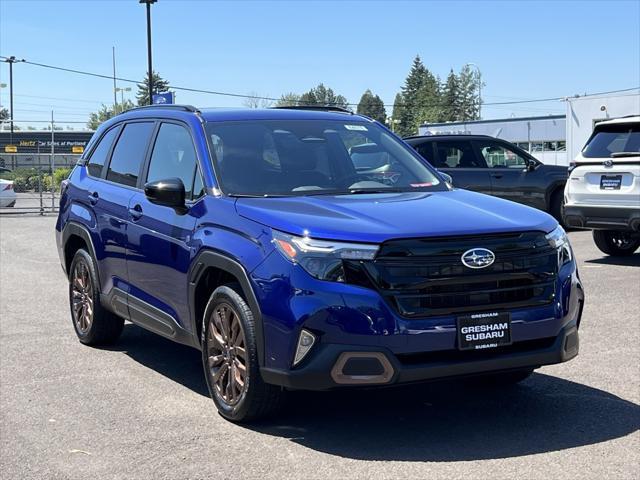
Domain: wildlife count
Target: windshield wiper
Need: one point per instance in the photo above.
(625, 154)
(249, 195)
(356, 191)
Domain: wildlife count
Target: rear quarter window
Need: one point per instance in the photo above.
(99, 155)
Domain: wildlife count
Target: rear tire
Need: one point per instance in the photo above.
(94, 325)
(230, 359)
(616, 243)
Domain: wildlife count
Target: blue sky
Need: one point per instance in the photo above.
(524, 49)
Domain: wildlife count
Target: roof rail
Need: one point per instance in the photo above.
(447, 134)
(166, 106)
(321, 108)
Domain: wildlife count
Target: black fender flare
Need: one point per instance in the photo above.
(75, 228)
(210, 258)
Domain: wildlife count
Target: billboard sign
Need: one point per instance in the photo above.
(162, 98)
(64, 142)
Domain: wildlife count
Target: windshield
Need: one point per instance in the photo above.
(610, 139)
(314, 157)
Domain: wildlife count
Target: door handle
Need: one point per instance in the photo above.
(93, 198)
(136, 212)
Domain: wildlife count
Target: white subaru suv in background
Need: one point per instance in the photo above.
(603, 190)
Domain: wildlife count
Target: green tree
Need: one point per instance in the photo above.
(372, 106)
(324, 96)
(106, 112)
(421, 99)
(160, 85)
(470, 81)
(429, 106)
(288, 100)
(452, 110)
(4, 114)
(398, 111)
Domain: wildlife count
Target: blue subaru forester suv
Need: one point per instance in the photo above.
(307, 248)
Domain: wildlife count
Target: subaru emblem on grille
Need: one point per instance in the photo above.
(608, 163)
(478, 258)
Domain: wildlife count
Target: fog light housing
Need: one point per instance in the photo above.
(306, 340)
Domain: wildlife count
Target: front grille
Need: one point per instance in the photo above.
(426, 277)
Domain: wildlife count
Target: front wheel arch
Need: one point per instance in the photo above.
(210, 270)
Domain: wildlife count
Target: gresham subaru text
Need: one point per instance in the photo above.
(253, 236)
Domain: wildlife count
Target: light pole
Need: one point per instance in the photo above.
(11, 60)
(121, 90)
(2, 85)
(479, 88)
(113, 57)
(392, 123)
(149, 3)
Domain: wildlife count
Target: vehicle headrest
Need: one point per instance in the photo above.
(294, 155)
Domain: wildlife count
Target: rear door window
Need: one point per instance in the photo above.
(498, 155)
(426, 151)
(99, 155)
(457, 154)
(128, 154)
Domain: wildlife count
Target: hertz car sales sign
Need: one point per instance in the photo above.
(40, 142)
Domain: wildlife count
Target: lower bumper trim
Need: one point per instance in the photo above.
(602, 218)
(319, 373)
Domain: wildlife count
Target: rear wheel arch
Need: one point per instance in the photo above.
(210, 270)
(74, 237)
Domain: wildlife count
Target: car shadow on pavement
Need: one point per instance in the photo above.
(437, 422)
(180, 363)
(452, 421)
(630, 261)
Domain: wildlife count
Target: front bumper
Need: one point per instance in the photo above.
(348, 319)
(329, 369)
(602, 218)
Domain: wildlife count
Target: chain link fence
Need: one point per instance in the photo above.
(35, 182)
(32, 166)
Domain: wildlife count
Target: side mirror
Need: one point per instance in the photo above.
(531, 165)
(447, 178)
(168, 193)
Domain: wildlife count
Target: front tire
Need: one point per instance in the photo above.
(230, 359)
(94, 325)
(616, 243)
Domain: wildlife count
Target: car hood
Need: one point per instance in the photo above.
(375, 218)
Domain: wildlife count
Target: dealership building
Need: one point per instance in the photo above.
(552, 139)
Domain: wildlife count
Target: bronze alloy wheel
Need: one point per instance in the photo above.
(82, 297)
(227, 355)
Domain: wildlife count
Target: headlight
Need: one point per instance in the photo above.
(321, 258)
(559, 240)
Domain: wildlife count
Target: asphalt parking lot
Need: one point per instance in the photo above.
(140, 409)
